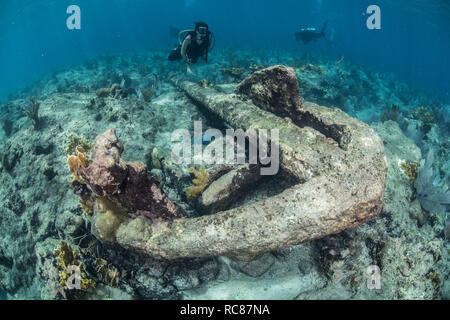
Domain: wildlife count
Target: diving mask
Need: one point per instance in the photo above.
(202, 32)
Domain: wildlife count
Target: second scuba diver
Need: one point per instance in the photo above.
(309, 34)
(196, 43)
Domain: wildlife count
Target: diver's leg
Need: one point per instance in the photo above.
(322, 33)
(175, 55)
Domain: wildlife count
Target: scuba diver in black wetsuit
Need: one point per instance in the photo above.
(196, 43)
(309, 34)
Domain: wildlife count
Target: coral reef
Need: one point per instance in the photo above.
(77, 162)
(205, 84)
(107, 171)
(200, 181)
(37, 211)
(432, 198)
(76, 143)
(87, 205)
(435, 278)
(115, 91)
(107, 273)
(156, 163)
(127, 184)
(66, 257)
(447, 231)
(312, 68)
(7, 125)
(147, 93)
(235, 73)
(255, 67)
(80, 189)
(143, 69)
(410, 169)
(391, 114)
(425, 115)
(107, 218)
(105, 92)
(9, 156)
(33, 112)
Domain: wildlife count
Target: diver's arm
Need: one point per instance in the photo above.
(186, 42)
(186, 59)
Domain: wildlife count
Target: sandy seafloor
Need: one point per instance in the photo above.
(39, 209)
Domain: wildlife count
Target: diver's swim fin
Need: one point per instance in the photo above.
(175, 54)
(324, 28)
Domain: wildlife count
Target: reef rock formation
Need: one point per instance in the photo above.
(127, 184)
(274, 89)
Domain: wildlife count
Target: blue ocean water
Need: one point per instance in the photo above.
(413, 43)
